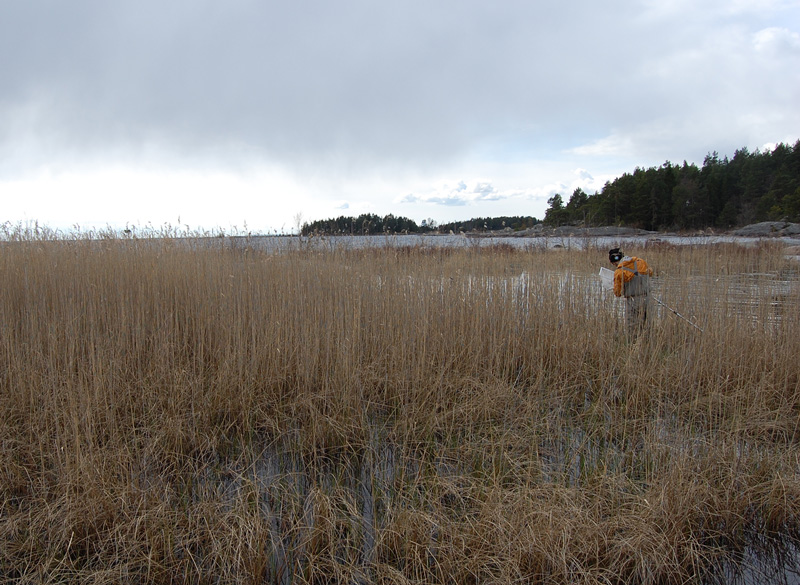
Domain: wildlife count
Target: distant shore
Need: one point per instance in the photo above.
(764, 229)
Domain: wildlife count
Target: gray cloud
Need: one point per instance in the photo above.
(290, 80)
(361, 85)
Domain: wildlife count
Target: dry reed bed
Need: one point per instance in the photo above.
(179, 414)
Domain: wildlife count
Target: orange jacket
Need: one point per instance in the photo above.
(627, 268)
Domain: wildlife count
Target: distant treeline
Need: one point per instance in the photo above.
(749, 188)
(365, 224)
(371, 224)
(723, 193)
(477, 224)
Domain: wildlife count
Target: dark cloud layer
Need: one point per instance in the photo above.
(359, 84)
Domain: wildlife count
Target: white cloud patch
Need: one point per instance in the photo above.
(710, 10)
(588, 182)
(486, 192)
(459, 193)
(581, 179)
(615, 144)
(478, 193)
(777, 41)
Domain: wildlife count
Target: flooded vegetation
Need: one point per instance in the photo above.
(395, 414)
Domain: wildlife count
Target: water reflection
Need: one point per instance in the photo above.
(278, 243)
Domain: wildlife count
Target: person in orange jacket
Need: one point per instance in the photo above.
(632, 281)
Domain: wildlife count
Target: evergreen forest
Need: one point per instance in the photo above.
(724, 193)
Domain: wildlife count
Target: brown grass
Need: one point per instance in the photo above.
(206, 414)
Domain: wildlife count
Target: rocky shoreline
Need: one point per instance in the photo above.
(764, 229)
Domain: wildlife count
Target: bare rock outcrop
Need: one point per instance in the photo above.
(767, 229)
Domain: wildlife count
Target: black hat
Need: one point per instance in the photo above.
(614, 255)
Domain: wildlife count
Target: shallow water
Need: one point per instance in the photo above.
(278, 243)
(360, 491)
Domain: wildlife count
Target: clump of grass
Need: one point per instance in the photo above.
(175, 410)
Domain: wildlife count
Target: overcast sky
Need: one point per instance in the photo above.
(256, 113)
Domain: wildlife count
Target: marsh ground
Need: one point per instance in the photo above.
(401, 414)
